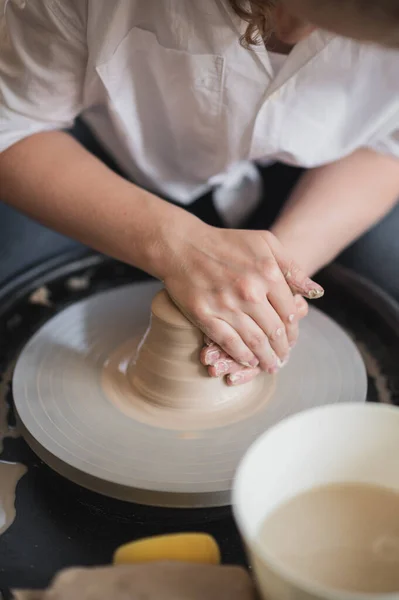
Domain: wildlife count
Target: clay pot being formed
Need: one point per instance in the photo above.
(166, 370)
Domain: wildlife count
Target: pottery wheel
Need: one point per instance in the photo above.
(70, 420)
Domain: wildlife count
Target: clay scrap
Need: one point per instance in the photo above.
(156, 581)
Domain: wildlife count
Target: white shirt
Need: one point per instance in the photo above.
(167, 88)
(277, 61)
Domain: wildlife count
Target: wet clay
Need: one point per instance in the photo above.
(151, 581)
(41, 296)
(10, 473)
(160, 380)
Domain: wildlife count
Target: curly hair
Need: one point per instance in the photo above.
(367, 20)
(259, 16)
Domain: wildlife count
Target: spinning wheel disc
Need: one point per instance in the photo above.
(73, 426)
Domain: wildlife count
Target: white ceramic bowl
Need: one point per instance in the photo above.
(332, 444)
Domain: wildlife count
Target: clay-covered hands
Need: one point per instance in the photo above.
(219, 364)
(239, 288)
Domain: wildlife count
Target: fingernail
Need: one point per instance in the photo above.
(235, 378)
(279, 332)
(314, 290)
(291, 318)
(251, 364)
(212, 357)
(221, 368)
(315, 294)
(281, 363)
(292, 345)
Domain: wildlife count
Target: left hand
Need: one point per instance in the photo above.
(219, 364)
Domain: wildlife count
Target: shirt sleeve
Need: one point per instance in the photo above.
(43, 61)
(386, 137)
(388, 144)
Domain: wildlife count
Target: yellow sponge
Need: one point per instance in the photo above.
(181, 547)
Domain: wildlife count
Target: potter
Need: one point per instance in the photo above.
(204, 116)
(181, 107)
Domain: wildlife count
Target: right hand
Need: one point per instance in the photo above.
(237, 287)
(219, 364)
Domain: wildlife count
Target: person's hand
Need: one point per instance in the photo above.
(237, 287)
(219, 364)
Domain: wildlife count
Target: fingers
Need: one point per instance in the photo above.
(227, 367)
(277, 315)
(284, 314)
(229, 340)
(217, 361)
(254, 338)
(220, 365)
(243, 376)
(211, 353)
(297, 279)
(224, 367)
(269, 340)
(301, 306)
(263, 332)
(251, 323)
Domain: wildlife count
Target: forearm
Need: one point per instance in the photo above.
(53, 179)
(334, 205)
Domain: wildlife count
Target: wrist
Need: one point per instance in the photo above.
(172, 241)
(301, 246)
